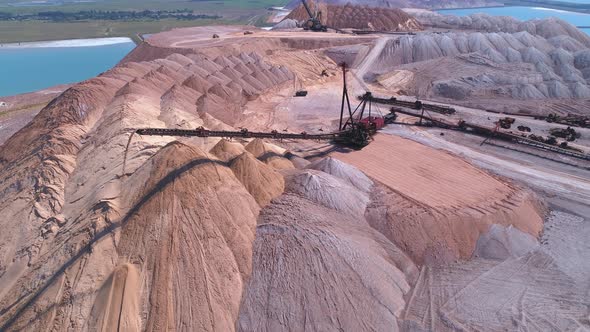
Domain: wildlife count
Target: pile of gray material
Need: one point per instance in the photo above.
(318, 264)
(582, 62)
(547, 28)
(344, 171)
(297, 161)
(502, 242)
(486, 64)
(327, 190)
(318, 269)
(286, 24)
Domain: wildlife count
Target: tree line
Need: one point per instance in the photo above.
(118, 15)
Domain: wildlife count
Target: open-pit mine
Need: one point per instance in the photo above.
(400, 171)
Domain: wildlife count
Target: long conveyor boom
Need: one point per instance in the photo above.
(411, 104)
(201, 132)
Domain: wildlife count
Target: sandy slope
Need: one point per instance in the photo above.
(19, 110)
(187, 243)
(311, 273)
(435, 205)
(117, 303)
(261, 180)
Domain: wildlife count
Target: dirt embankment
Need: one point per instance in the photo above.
(17, 111)
(147, 52)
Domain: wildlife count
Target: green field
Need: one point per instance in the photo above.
(232, 12)
(197, 5)
(13, 32)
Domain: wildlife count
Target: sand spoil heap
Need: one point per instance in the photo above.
(226, 150)
(504, 242)
(155, 259)
(547, 287)
(547, 28)
(261, 180)
(270, 154)
(219, 243)
(359, 17)
(436, 206)
(113, 232)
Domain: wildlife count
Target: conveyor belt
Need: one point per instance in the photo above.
(485, 131)
(417, 105)
(201, 132)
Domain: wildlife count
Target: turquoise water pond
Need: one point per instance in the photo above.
(30, 69)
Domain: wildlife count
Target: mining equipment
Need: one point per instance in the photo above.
(569, 134)
(417, 105)
(358, 127)
(570, 120)
(371, 122)
(524, 129)
(398, 33)
(506, 123)
(533, 141)
(354, 132)
(314, 23)
(390, 117)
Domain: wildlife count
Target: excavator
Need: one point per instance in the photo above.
(314, 23)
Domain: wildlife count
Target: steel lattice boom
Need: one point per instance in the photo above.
(244, 133)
